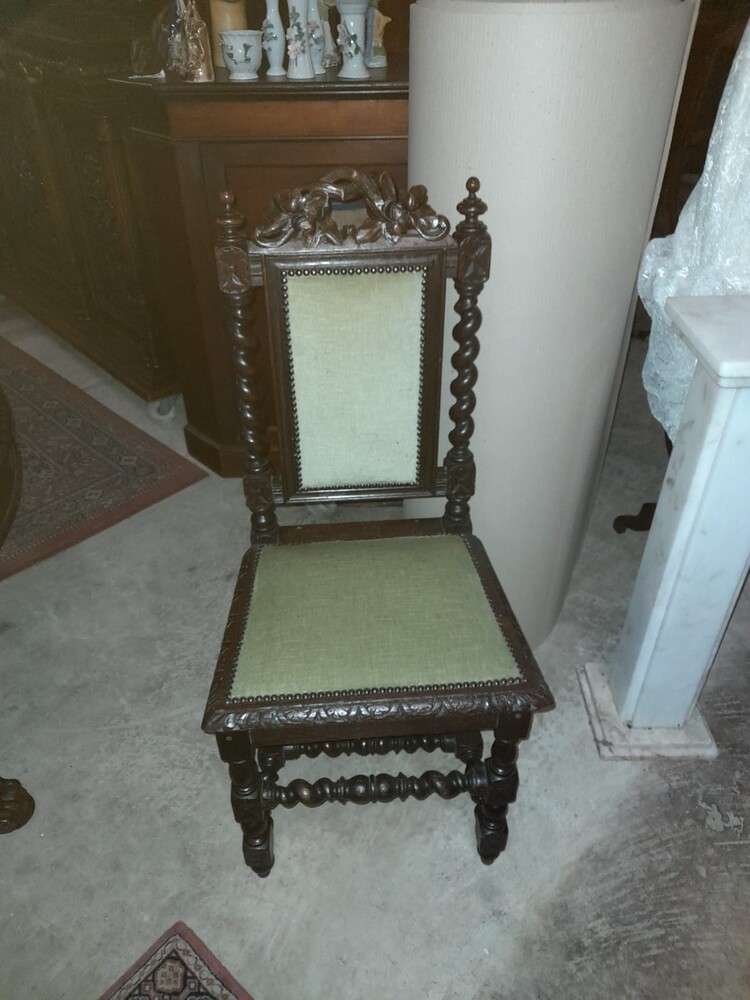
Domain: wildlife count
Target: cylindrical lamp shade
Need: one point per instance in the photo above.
(226, 15)
(563, 110)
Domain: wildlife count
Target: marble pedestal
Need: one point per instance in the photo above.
(697, 555)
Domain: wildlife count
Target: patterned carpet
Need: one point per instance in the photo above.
(84, 468)
(177, 967)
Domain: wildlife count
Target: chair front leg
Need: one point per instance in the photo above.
(502, 786)
(247, 804)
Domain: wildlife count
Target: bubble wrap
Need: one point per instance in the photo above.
(709, 252)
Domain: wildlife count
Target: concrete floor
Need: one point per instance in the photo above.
(621, 880)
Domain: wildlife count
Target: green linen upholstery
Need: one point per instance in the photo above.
(328, 616)
(355, 340)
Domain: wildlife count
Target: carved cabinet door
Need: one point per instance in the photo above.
(39, 250)
(94, 172)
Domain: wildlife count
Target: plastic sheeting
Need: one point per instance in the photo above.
(709, 252)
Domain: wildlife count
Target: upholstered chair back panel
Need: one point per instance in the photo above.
(354, 346)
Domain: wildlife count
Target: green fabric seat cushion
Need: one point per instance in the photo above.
(328, 616)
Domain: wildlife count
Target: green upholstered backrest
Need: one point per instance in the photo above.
(355, 347)
(356, 340)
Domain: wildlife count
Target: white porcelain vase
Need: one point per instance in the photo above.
(315, 36)
(352, 38)
(300, 65)
(273, 39)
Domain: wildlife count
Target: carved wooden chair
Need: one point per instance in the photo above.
(363, 638)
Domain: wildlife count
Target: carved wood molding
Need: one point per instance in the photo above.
(476, 702)
(233, 269)
(378, 745)
(306, 214)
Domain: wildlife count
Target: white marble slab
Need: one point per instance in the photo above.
(615, 740)
(717, 329)
(698, 551)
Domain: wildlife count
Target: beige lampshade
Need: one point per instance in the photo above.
(226, 15)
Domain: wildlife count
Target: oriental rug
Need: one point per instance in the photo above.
(83, 467)
(177, 967)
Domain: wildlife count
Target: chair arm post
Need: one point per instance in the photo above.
(233, 270)
(474, 251)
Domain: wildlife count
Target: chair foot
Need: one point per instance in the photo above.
(491, 831)
(257, 849)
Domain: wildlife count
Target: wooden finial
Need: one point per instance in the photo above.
(472, 206)
(230, 220)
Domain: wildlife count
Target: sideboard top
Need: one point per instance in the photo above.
(389, 82)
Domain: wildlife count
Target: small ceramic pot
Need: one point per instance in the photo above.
(242, 53)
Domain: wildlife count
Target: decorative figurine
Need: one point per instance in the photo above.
(375, 54)
(172, 43)
(199, 67)
(331, 54)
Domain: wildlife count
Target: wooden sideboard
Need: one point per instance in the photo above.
(187, 143)
(70, 246)
(108, 189)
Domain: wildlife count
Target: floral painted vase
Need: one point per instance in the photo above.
(315, 36)
(273, 39)
(298, 43)
(352, 38)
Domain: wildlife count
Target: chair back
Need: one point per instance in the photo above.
(355, 319)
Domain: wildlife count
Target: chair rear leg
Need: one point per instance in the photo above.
(247, 804)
